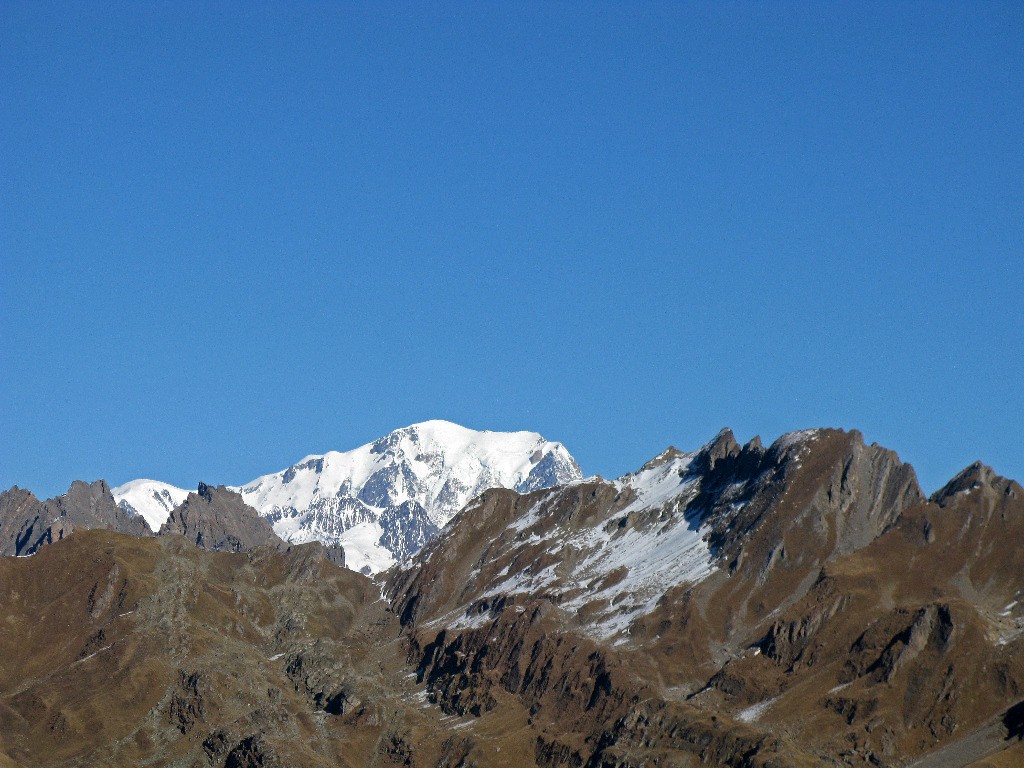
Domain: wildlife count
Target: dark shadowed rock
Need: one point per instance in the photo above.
(724, 446)
(17, 507)
(252, 752)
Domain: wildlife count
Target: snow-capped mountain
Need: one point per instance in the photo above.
(151, 499)
(384, 500)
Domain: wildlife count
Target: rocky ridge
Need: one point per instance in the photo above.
(27, 524)
(218, 520)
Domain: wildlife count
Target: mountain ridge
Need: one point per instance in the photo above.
(828, 570)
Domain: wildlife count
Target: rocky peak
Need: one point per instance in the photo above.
(868, 493)
(822, 493)
(723, 446)
(218, 519)
(92, 505)
(669, 454)
(81, 490)
(16, 497)
(26, 524)
(971, 479)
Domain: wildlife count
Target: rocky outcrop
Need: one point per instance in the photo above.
(218, 520)
(26, 524)
(252, 752)
(406, 528)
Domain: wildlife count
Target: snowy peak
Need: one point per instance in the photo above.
(384, 500)
(151, 499)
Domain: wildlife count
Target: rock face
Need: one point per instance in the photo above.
(18, 508)
(385, 500)
(26, 524)
(218, 520)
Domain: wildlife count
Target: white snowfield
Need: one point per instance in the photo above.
(401, 487)
(150, 498)
(431, 457)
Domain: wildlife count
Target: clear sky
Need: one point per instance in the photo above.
(235, 234)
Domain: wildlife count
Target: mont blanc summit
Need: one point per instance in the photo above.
(384, 500)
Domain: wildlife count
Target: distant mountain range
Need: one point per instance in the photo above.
(800, 604)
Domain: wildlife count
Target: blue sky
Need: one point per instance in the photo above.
(234, 235)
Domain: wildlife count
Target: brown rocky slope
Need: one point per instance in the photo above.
(124, 651)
